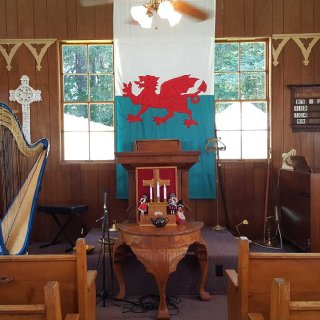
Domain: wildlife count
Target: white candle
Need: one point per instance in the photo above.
(164, 192)
(150, 193)
(158, 189)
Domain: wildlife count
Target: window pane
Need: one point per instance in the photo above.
(226, 86)
(101, 116)
(101, 59)
(226, 57)
(102, 145)
(75, 88)
(74, 59)
(253, 85)
(76, 146)
(232, 140)
(252, 56)
(254, 115)
(254, 144)
(75, 117)
(228, 116)
(101, 88)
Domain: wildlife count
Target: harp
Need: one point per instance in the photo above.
(21, 167)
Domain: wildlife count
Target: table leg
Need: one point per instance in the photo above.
(202, 255)
(161, 280)
(120, 251)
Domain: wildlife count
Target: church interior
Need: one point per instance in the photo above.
(117, 212)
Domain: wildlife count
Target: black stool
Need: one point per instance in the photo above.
(70, 210)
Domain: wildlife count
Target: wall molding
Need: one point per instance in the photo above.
(9, 47)
(306, 46)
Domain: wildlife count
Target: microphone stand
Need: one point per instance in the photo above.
(104, 242)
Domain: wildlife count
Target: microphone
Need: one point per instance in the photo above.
(276, 215)
(105, 200)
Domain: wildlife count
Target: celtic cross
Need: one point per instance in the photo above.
(25, 95)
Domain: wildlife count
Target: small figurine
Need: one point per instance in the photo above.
(143, 204)
(180, 217)
(172, 203)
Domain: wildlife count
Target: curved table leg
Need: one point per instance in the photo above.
(120, 251)
(161, 280)
(202, 255)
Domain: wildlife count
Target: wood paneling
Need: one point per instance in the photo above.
(244, 181)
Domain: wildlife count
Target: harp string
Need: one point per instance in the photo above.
(14, 169)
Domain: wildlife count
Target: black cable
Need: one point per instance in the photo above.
(148, 303)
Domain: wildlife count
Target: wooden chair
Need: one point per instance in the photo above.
(50, 310)
(22, 279)
(283, 308)
(249, 289)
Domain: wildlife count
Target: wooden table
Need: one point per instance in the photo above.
(160, 250)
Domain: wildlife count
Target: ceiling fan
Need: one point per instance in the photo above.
(152, 6)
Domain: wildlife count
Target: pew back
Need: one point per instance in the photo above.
(283, 308)
(23, 279)
(249, 289)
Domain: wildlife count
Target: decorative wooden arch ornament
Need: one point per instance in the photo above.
(312, 38)
(8, 53)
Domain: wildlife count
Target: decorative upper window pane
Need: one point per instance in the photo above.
(226, 86)
(252, 56)
(101, 88)
(253, 85)
(75, 88)
(74, 59)
(226, 57)
(101, 59)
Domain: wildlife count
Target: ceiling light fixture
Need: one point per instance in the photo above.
(143, 14)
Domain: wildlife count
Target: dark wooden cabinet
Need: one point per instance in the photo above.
(299, 202)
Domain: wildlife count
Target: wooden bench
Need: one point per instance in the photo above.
(283, 308)
(22, 279)
(49, 310)
(249, 289)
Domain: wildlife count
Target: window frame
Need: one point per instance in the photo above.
(268, 62)
(63, 102)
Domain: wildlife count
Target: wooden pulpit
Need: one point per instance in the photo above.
(156, 154)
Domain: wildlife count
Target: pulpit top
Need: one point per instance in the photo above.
(157, 153)
(157, 145)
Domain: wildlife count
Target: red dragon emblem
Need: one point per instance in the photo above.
(173, 96)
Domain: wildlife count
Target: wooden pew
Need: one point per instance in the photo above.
(50, 310)
(22, 279)
(249, 289)
(283, 308)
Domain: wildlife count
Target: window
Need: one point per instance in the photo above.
(88, 101)
(241, 98)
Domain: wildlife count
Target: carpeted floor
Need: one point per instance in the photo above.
(190, 308)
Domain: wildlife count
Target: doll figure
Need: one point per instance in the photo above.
(143, 204)
(172, 203)
(180, 217)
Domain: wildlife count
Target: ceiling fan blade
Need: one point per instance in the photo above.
(91, 3)
(186, 8)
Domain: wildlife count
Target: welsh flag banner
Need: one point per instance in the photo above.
(164, 88)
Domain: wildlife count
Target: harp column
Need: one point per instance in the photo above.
(25, 95)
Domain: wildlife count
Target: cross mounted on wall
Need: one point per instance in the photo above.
(25, 95)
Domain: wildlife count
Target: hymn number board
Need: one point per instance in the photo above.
(305, 107)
